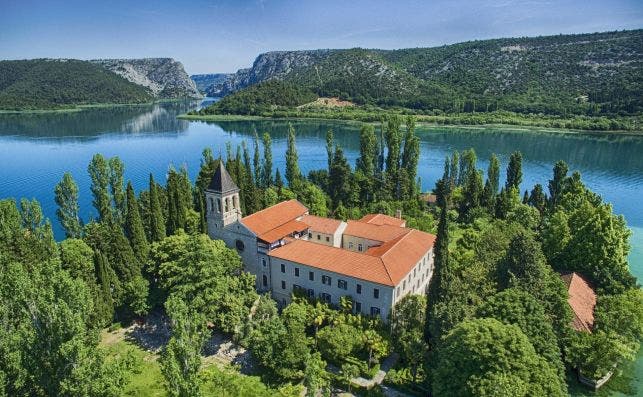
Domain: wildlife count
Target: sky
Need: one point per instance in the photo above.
(223, 36)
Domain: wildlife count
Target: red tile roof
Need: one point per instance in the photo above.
(270, 218)
(387, 264)
(321, 225)
(381, 219)
(282, 231)
(373, 232)
(582, 300)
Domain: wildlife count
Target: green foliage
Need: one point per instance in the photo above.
(134, 230)
(53, 83)
(205, 273)
(228, 382)
(99, 172)
(484, 357)
(337, 342)
(66, 196)
(181, 359)
(156, 218)
(293, 174)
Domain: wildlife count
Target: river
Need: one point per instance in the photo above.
(36, 149)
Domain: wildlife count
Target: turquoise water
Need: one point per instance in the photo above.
(35, 150)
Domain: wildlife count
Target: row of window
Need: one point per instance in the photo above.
(310, 236)
(327, 280)
(360, 247)
(227, 204)
(326, 297)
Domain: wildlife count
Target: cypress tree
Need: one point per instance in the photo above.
(171, 224)
(557, 184)
(492, 183)
(255, 160)
(514, 171)
(279, 183)
(99, 174)
(66, 192)
(410, 157)
(455, 158)
(207, 170)
(339, 178)
(437, 291)
(104, 303)
(266, 170)
(367, 161)
(134, 230)
(537, 198)
(157, 223)
(293, 174)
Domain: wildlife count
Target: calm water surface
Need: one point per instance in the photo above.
(36, 149)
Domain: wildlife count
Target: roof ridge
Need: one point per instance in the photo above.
(274, 205)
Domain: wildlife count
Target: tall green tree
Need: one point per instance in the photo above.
(492, 184)
(181, 359)
(116, 169)
(557, 184)
(66, 192)
(99, 173)
(134, 229)
(157, 221)
(537, 198)
(293, 174)
(256, 161)
(330, 141)
(514, 171)
(339, 178)
(266, 169)
(410, 157)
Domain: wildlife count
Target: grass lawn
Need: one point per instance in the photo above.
(148, 380)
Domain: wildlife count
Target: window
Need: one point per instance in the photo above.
(263, 262)
(359, 288)
(342, 284)
(326, 280)
(350, 246)
(414, 272)
(227, 204)
(376, 293)
(240, 246)
(404, 285)
(296, 272)
(234, 202)
(375, 311)
(359, 247)
(218, 205)
(311, 293)
(311, 276)
(325, 297)
(283, 268)
(310, 235)
(283, 284)
(318, 237)
(327, 239)
(264, 280)
(398, 291)
(296, 287)
(358, 307)
(211, 204)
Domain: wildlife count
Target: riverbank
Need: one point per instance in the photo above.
(421, 120)
(80, 108)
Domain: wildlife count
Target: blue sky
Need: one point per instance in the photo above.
(222, 36)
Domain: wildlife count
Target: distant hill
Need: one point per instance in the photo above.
(205, 81)
(597, 73)
(57, 83)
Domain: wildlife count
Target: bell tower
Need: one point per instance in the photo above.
(222, 202)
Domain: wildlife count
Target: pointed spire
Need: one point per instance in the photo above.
(222, 181)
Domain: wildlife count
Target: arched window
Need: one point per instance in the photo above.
(211, 205)
(264, 280)
(235, 205)
(219, 205)
(227, 204)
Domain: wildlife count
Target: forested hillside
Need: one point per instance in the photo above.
(57, 83)
(584, 74)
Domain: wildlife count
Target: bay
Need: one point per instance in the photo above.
(36, 149)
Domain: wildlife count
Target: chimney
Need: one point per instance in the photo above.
(398, 214)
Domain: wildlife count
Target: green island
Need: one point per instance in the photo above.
(141, 300)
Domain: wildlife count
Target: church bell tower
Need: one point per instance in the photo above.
(222, 202)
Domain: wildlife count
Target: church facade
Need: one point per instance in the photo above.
(375, 260)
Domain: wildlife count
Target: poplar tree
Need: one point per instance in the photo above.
(340, 178)
(453, 172)
(157, 223)
(266, 169)
(410, 156)
(514, 171)
(491, 185)
(293, 174)
(207, 170)
(256, 162)
(67, 200)
(329, 148)
(134, 230)
(99, 173)
(557, 184)
(116, 169)
(537, 198)
(367, 161)
(104, 301)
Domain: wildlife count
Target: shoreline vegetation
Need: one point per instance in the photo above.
(509, 121)
(80, 108)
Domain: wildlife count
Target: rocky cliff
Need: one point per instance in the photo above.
(205, 81)
(164, 77)
(270, 65)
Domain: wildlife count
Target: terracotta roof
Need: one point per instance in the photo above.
(272, 217)
(333, 259)
(221, 181)
(582, 300)
(387, 264)
(374, 232)
(403, 253)
(287, 229)
(322, 225)
(381, 219)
